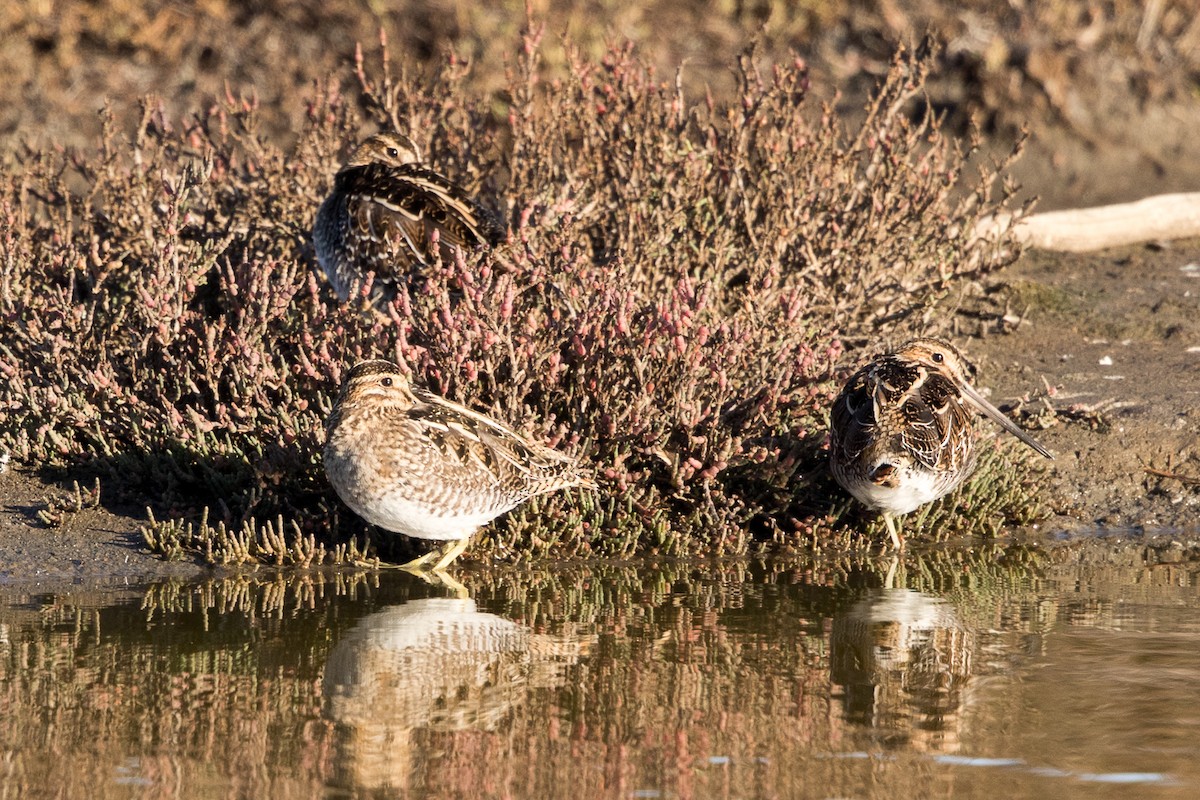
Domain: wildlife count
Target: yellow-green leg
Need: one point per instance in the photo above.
(894, 530)
(439, 558)
(451, 552)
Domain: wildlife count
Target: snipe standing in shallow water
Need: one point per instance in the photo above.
(414, 463)
(902, 429)
(383, 211)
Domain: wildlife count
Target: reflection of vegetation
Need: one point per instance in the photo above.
(601, 673)
(254, 595)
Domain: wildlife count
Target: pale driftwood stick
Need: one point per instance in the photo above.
(1164, 216)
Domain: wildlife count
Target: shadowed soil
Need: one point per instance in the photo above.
(94, 546)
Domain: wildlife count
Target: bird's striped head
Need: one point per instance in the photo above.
(390, 148)
(378, 381)
(938, 356)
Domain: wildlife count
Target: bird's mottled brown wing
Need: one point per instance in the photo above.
(931, 414)
(394, 210)
(473, 444)
(899, 406)
(460, 219)
(868, 412)
(852, 419)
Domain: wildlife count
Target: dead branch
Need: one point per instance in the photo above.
(1166, 216)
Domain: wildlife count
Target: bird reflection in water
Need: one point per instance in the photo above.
(431, 665)
(904, 660)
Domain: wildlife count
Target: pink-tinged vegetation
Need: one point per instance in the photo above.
(670, 304)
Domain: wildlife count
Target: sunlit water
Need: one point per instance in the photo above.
(952, 676)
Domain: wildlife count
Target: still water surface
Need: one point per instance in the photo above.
(946, 676)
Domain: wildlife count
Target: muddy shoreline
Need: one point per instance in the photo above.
(1108, 340)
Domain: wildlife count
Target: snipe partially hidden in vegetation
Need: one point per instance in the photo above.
(902, 429)
(383, 212)
(417, 464)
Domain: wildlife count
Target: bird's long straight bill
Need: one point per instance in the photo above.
(1002, 420)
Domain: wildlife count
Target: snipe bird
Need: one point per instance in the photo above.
(414, 463)
(383, 211)
(902, 429)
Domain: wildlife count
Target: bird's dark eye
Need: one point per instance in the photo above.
(393, 152)
(938, 358)
(386, 381)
